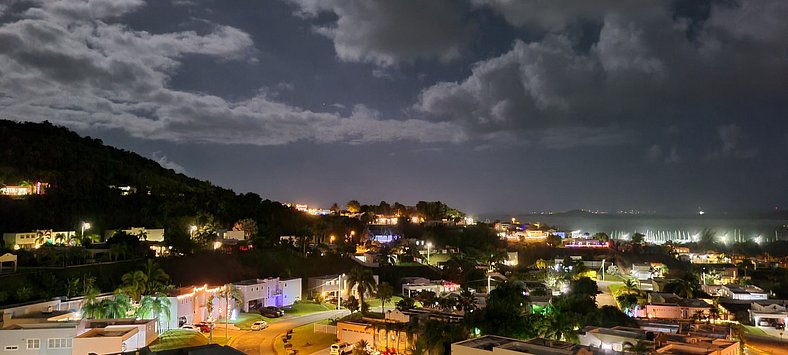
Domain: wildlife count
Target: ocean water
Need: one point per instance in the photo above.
(658, 229)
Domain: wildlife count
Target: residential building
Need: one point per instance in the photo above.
(414, 285)
(614, 338)
(743, 292)
(648, 271)
(328, 286)
(773, 313)
(692, 344)
(269, 292)
(493, 344)
(720, 275)
(231, 234)
(378, 335)
(670, 306)
(189, 305)
(55, 310)
(105, 336)
(36, 188)
(37, 238)
(50, 338)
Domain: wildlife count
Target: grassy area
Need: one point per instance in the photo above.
(751, 330)
(178, 338)
(616, 289)
(306, 341)
(374, 303)
(302, 308)
(437, 258)
(613, 278)
(245, 320)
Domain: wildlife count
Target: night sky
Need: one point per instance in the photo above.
(492, 106)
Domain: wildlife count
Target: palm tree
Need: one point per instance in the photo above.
(115, 307)
(230, 293)
(360, 348)
(363, 281)
(467, 302)
(631, 286)
(157, 279)
(153, 306)
(134, 284)
(640, 347)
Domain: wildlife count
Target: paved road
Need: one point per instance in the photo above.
(605, 298)
(766, 345)
(262, 342)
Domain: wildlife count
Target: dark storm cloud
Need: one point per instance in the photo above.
(389, 32)
(67, 62)
(643, 67)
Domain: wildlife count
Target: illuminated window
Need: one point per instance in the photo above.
(59, 343)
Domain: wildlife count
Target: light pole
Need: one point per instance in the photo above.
(85, 226)
(339, 292)
(429, 245)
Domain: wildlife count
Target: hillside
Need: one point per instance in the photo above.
(80, 171)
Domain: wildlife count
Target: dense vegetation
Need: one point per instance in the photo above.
(81, 171)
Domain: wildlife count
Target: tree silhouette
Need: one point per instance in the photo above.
(363, 281)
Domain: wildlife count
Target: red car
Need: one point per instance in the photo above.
(204, 327)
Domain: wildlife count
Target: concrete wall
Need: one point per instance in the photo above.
(18, 339)
(291, 291)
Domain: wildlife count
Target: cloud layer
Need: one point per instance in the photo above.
(68, 62)
(389, 32)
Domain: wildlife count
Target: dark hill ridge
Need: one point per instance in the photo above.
(49, 153)
(80, 171)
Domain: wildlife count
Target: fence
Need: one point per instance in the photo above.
(325, 328)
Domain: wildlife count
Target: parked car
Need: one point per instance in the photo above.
(204, 327)
(271, 312)
(341, 348)
(780, 326)
(191, 327)
(764, 323)
(261, 324)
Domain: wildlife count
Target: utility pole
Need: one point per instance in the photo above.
(339, 292)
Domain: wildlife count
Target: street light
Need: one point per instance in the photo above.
(332, 239)
(192, 229)
(429, 245)
(85, 226)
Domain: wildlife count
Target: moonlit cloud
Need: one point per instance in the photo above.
(64, 63)
(390, 32)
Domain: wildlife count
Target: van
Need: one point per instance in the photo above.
(341, 348)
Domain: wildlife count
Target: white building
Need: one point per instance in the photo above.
(34, 239)
(237, 235)
(414, 285)
(328, 286)
(497, 345)
(105, 336)
(743, 292)
(50, 338)
(269, 292)
(611, 338)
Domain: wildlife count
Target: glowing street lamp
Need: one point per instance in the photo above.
(85, 226)
(332, 239)
(192, 230)
(429, 245)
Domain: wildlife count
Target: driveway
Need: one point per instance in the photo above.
(262, 342)
(606, 297)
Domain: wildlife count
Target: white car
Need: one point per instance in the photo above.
(190, 327)
(261, 324)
